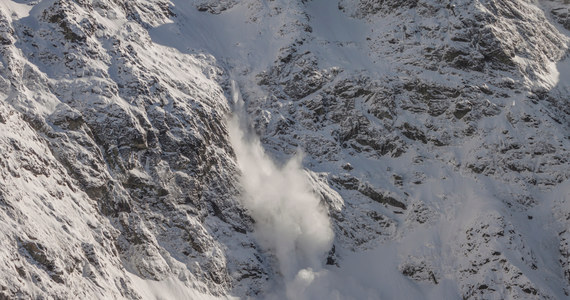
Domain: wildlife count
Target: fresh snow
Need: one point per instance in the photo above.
(17, 10)
(170, 288)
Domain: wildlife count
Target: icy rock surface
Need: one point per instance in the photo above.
(436, 134)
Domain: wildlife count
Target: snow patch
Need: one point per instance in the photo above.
(170, 288)
(17, 10)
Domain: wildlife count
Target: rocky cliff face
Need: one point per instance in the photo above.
(115, 157)
(436, 134)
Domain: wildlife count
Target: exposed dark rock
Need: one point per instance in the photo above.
(370, 192)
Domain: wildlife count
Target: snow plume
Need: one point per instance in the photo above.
(290, 222)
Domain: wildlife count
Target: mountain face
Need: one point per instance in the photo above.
(400, 149)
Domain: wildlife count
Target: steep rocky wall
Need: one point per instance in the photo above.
(125, 142)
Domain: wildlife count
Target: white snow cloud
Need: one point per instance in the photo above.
(290, 221)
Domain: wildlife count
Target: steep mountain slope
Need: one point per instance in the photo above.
(115, 157)
(436, 135)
